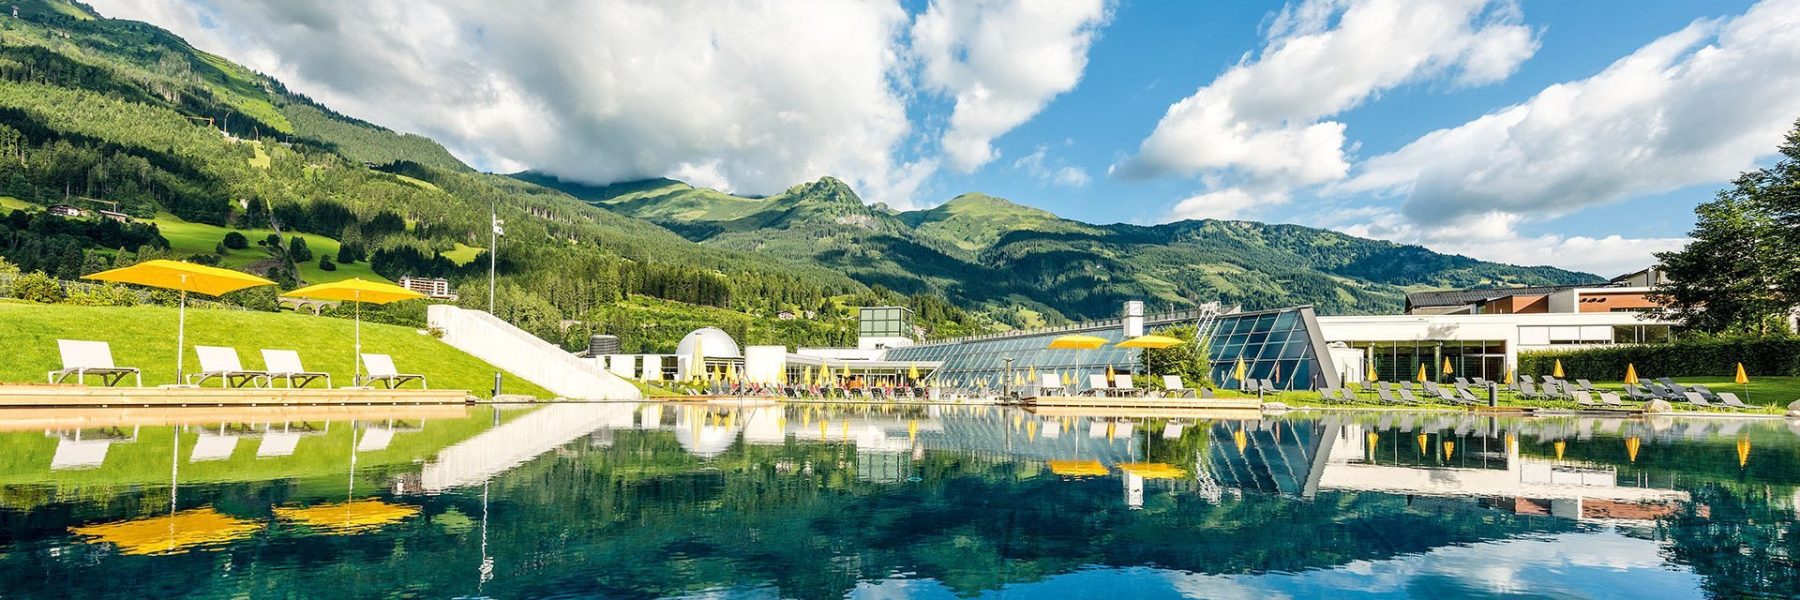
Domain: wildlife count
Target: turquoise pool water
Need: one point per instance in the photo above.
(641, 501)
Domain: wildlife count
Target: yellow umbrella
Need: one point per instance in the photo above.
(1077, 342)
(1372, 375)
(912, 371)
(1067, 380)
(1155, 342)
(1109, 374)
(1422, 375)
(171, 533)
(359, 291)
(1560, 447)
(1239, 372)
(183, 277)
(1448, 370)
(1557, 371)
(1631, 377)
(1449, 449)
(1509, 375)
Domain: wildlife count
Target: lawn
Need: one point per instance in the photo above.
(201, 238)
(462, 255)
(1771, 394)
(144, 337)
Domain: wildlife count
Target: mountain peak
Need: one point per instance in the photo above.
(827, 188)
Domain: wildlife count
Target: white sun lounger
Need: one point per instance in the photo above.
(82, 358)
(1175, 388)
(381, 368)
(222, 363)
(1122, 385)
(1049, 384)
(1097, 384)
(285, 365)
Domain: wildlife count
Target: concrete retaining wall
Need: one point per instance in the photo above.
(540, 362)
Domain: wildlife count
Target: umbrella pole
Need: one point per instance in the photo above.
(180, 337)
(357, 360)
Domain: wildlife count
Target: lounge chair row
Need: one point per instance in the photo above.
(81, 358)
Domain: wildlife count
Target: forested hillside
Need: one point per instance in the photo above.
(1020, 261)
(104, 114)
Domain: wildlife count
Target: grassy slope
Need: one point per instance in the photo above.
(461, 255)
(200, 238)
(144, 337)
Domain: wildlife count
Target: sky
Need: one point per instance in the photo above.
(1573, 134)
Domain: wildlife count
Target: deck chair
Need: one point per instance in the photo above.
(222, 363)
(1638, 393)
(1049, 384)
(82, 358)
(1462, 382)
(1585, 400)
(1610, 399)
(1529, 391)
(1705, 393)
(381, 368)
(285, 365)
(1670, 383)
(1096, 385)
(1695, 399)
(1386, 396)
(277, 444)
(1407, 396)
(1122, 384)
(1584, 385)
(1173, 387)
(1467, 396)
(1207, 393)
(1731, 400)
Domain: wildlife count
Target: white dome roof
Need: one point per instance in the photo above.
(713, 343)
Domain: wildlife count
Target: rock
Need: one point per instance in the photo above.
(1274, 406)
(1658, 406)
(1794, 409)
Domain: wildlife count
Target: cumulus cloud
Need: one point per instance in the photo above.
(1002, 61)
(748, 96)
(1038, 165)
(1695, 106)
(1225, 203)
(1264, 117)
(1496, 236)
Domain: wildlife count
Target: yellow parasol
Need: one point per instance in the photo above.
(1109, 374)
(1372, 376)
(359, 291)
(170, 534)
(1631, 377)
(1067, 380)
(1239, 372)
(806, 377)
(1448, 370)
(1742, 377)
(1154, 342)
(912, 371)
(183, 277)
(1557, 370)
(1077, 342)
(1422, 376)
(347, 517)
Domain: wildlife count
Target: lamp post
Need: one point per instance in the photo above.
(1006, 384)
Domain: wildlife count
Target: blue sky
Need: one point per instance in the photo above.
(1577, 134)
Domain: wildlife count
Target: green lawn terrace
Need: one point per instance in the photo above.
(145, 337)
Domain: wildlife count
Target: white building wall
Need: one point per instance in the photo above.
(763, 364)
(1520, 332)
(624, 365)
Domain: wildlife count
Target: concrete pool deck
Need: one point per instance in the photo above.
(47, 396)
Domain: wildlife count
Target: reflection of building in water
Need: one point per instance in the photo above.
(1377, 459)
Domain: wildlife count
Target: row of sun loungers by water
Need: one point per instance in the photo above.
(1582, 392)
(1048, 385)
(81, 359)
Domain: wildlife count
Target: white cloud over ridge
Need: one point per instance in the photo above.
(1002, 61)
(748, 96)
(1264, 117)
(1695, 106)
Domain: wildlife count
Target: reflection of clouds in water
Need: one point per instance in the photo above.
(1609, 564)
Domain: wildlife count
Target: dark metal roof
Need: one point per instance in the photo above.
(1471, 296)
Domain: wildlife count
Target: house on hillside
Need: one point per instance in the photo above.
(66, 211)
(113, 215)
(432, 287)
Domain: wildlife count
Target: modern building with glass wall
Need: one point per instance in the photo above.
(1283, 346)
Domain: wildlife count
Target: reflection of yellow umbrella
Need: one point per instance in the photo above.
(1449, 449)
(1557, 370)
(1560, 447)
(1077, 342)
(1743, 447)
(1078, 468)
(183, 277)
(1373, 439)
(1422, 444)
(1240, 440)
(1631, 447)
(1067, 380)
(1153, 470)
(1154, 342)
(359, 291)
(1631, 377)
(347, 517)
(1109, 374)
(1031, 374)
(170, 534)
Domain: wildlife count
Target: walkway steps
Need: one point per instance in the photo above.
(501, 344)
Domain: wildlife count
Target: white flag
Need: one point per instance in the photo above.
(498, 226)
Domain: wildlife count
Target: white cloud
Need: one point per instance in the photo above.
(1002, 61)
(1696, 106)
(1225, 203)
(750, 96)
(1263, 118)
(1038, 165)
(1495, 236)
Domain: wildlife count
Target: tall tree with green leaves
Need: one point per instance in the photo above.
(1741, 272)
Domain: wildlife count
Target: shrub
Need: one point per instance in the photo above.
(326, 264)
(236, 241)
(1687, 358)
(103, 295)
(298, 251)
(38, 287)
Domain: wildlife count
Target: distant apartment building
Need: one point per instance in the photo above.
(1626, 293)
(433, 287)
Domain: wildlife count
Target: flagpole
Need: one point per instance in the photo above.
(493, 248)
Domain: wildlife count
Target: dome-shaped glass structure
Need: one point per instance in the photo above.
(714, 343)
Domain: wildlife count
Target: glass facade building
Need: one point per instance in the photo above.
(884, 321)
(1283, 346)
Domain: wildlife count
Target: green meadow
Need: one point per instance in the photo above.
(144, 337)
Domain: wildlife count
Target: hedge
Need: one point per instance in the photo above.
(1711, 358)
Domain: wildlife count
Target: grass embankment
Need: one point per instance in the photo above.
(144, 337)
(1770, 395)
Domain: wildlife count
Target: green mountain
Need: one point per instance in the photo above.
(995, 253)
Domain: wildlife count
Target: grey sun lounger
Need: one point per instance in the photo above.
(381, 368)
(1610, 399)
(83, 358)
(220, 362)
(1731, 400)
(1695, 399)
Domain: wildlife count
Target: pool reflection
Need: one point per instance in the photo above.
(620, 499)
